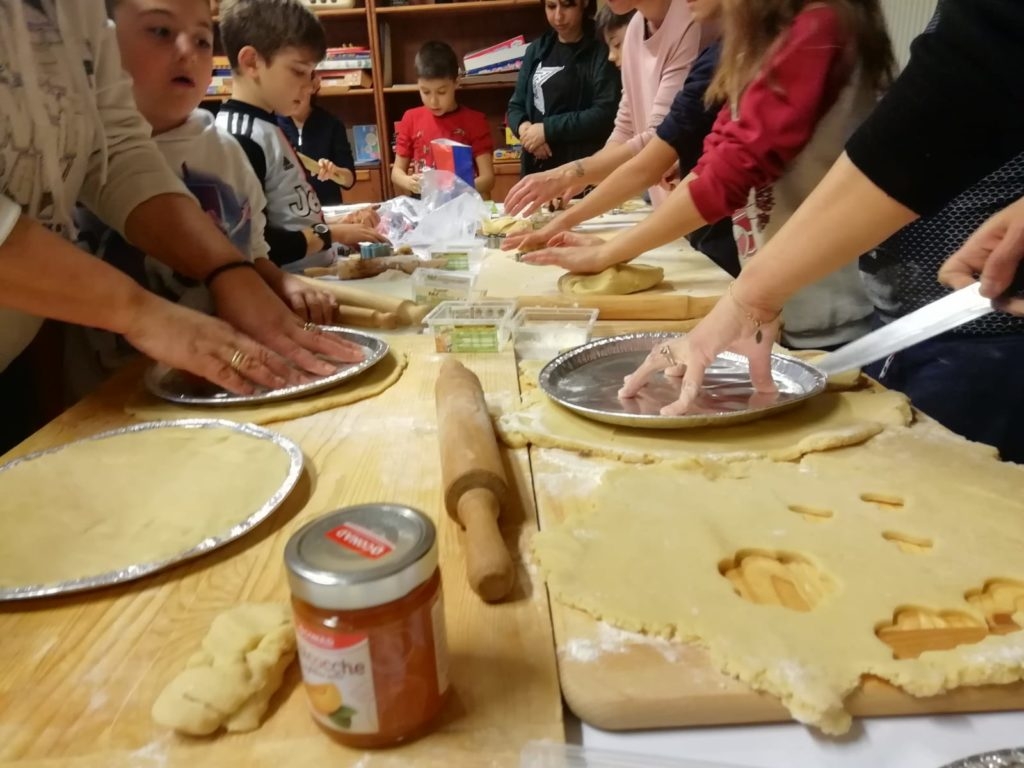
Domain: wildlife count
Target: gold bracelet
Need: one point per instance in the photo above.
(757, 323)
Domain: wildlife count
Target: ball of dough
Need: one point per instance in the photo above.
(618, 280)
(230, 680)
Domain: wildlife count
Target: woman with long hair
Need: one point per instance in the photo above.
(796, 78)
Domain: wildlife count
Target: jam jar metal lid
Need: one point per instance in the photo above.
(362, 556)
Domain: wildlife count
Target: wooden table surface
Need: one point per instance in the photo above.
(78, 675)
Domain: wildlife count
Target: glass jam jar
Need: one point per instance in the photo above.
(369, 621)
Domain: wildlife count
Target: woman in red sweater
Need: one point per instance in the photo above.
(796, 77)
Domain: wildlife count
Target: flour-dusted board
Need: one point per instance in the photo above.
(618, 680)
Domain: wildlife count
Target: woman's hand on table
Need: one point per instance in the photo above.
(244, 299)
(205, 346)
(729, 326)
(995, 251)
(576, 253)
(531, 241)
(531, 192)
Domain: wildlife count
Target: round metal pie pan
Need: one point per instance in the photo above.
(177, 386)
(586, 380)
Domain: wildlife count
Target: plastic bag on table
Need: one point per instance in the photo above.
(450, 211)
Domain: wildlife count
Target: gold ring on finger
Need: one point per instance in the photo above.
(238, 358)
(666, 350)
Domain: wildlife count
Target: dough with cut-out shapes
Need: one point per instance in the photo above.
(804, 608)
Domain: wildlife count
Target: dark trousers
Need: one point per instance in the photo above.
(972, 385)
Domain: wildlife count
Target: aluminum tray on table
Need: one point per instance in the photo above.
(587, 379)
(180, 387)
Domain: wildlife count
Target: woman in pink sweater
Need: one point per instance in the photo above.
(661, 43)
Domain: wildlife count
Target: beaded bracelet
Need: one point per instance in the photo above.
(217, 271)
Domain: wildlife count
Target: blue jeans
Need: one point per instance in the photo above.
(972, 385)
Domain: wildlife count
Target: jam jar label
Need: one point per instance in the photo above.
(440, 643)
(338, 678)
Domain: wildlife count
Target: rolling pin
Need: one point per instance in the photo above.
(362, 317)
(475, 488)
(640, 306)
(407, 312)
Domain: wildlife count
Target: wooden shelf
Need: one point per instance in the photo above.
(324, 92)
(341, 91)
(446, 8)
(328, 13)
(413, 88)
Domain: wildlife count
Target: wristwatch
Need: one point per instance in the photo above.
(324, 233)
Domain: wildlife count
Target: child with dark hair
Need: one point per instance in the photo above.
(567, 93)
(273, 47)
(440, 117)
(612, 26)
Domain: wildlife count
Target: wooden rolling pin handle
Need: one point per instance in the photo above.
(489, 567)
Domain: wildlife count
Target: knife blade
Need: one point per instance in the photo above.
(939, 316)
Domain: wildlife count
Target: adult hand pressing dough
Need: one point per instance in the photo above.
(142, 405)
(230, 680)
(617, 280)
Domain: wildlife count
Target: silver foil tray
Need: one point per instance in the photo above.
(180, 387)
(587, 379)
(1003, 758)
(138, 570)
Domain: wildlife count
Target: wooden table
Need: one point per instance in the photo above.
(691, 286)
(78, 675)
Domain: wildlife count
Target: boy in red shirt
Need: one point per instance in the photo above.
(437, 73)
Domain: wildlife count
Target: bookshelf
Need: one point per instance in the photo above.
(394, 33)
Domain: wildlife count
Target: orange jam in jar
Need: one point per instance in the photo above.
(369, 620)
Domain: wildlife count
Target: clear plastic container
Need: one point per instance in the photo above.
(459, 256)
(547, 331)
(471, 326)
(432, 286)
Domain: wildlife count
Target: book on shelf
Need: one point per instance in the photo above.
(494, 77)
(365, 145)
(501, 57)
(356, 78)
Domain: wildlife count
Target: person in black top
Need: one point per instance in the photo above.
(318, 134)
(680, 138)
(955, 115)
(567, 93)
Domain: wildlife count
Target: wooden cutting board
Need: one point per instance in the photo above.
(619, 680)
(78, 674)
(692, 285)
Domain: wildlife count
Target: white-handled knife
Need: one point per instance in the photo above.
(942, 315)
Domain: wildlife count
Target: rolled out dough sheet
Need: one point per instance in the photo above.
(138, 497)
(145, 407)
(829, 420)
(647, 550)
